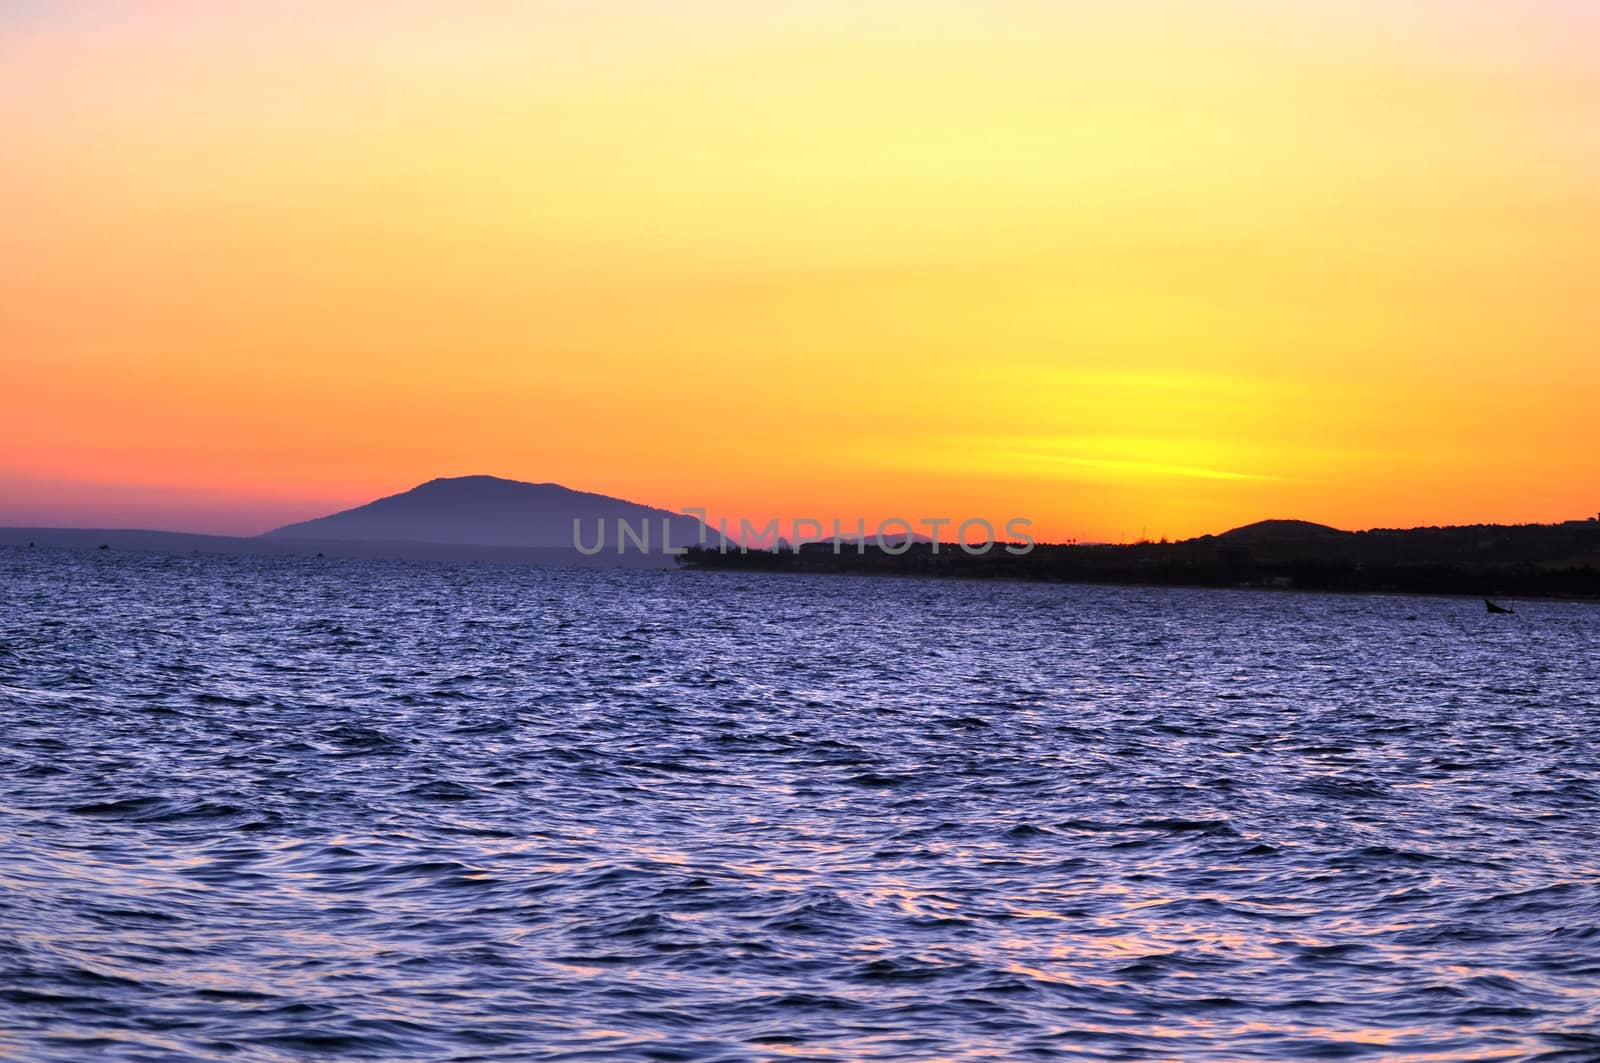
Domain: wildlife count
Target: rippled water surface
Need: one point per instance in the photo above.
(281, 809)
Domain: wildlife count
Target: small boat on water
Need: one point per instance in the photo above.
(1493, 608)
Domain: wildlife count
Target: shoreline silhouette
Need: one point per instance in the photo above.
(1483, 560)
(492, 520)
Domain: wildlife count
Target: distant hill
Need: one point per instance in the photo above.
(1283, 530)
(490, 511)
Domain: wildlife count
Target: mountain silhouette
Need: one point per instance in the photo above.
(490, 511)
(1283, 531)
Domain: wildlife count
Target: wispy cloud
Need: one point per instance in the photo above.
(1124, 466)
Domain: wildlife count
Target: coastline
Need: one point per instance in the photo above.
(1211, 563)
(1207, 563)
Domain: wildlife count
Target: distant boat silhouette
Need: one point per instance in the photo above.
(1493, 608)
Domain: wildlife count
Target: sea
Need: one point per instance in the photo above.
(274, 808)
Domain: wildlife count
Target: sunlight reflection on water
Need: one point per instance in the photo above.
(293, 808)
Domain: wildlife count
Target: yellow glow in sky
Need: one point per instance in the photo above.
(1141, 268)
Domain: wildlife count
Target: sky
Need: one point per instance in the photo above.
(1144, 269)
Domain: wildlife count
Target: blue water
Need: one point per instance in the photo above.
(284, 809)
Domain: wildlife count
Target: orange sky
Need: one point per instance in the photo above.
(1152, 267)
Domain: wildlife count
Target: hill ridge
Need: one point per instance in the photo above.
(485, 510)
